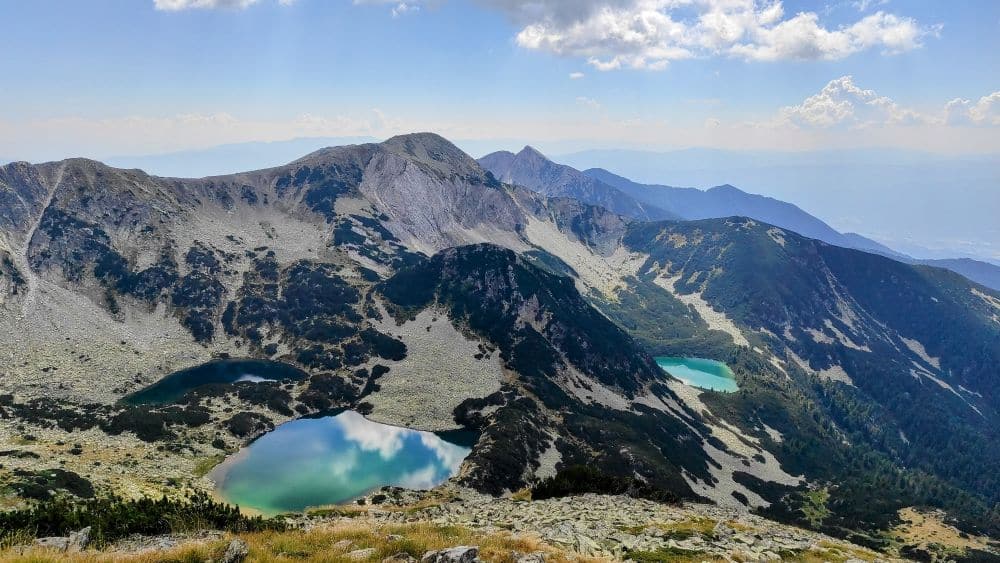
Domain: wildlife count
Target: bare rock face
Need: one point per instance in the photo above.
(437, 203)
(23, 189)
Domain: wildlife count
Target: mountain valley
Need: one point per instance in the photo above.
(510, 297)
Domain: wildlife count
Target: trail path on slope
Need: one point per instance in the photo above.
(30, 275)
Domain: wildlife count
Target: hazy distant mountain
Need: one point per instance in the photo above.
(728, 201)
(226, 159)
(907, 200)
(533, 170)
(980, 272)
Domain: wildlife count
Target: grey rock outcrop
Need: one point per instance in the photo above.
(58, 543)
(236, 552)
(459, 554)
(76, 541)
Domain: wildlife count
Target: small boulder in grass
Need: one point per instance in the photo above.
(79, 540)
(343, 545)
(459, 554)
(361, 554)
(236, 552)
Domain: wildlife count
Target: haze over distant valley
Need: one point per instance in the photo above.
(926, 205)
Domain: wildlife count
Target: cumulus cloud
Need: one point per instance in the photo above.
(961, 111)
(420, 479)
(842, 103)
(649, 34)
(449, 455)
(371, 437)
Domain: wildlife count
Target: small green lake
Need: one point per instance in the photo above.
(175, 385)
(699, 372)
(331, 460)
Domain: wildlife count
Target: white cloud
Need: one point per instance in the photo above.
(576, 75)
(398, 7)
(589, 103)
(842, 102)
(370, 436)
(649, 34)
(865, 5)
(420, 479)
(449, 455)
(177, 5)
(964, 112)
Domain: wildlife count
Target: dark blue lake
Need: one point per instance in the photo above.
(175, 385)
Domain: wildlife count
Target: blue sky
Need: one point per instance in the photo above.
(104, 77)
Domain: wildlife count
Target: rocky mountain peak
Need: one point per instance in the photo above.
(434, 152)
(530, 152)
(533, 170)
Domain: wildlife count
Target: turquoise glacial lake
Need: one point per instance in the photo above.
(331, 460)
(176, 384)
(698, 372)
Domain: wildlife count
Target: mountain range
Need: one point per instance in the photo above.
(925, 205)
(597, 186)
(515, 297)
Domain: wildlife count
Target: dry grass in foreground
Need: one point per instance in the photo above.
(318, 544)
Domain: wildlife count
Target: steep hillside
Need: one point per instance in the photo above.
(878, 350)
(583, 391)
